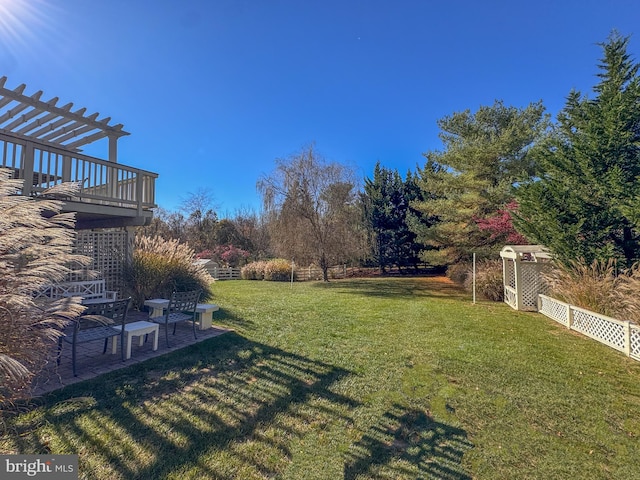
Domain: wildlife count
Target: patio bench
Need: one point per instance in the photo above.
(90, 291)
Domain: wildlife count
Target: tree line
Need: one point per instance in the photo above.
(504, 175)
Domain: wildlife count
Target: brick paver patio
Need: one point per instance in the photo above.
(91, 362)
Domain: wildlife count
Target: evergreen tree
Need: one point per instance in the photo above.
(585, 201)
(385, 204)
(413, 195)
(380, 204)
(485, 154)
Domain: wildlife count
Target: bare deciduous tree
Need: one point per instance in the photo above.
(311, 208)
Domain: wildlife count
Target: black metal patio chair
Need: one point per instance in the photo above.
(182, 307)
(97, 322)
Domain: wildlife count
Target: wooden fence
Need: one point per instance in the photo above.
(621, 335)
(301, 274)
(304, 274)
(224, 273)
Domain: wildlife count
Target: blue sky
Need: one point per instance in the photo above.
(213, 91)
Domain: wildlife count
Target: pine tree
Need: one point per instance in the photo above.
(584, 203)
(485, 154)
(385, 202)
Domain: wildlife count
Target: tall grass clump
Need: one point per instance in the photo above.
(458, 272)
(489, 281)
(598, 287)
(276, 270)
(592, 287)
(34, 252)
(160, 267)
(253, 271)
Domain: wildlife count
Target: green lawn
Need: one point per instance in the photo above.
(357, 379)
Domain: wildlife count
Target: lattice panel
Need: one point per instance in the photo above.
(599, 328)
(635, 341)
(554, 309)
(510, 297)
(530, 284)
(108, 249)
(509, 273)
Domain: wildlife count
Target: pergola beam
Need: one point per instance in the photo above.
(46, 122)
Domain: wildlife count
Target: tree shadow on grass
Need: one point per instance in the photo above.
(226, 408)
(409, 444)
(233, 321)
(407, 288)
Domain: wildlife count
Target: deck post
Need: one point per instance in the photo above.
(66, 169)
(27, 166)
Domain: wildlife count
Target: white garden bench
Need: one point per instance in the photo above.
(90, 291)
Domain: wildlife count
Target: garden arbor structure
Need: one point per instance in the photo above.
(40, 143)
(522, 266)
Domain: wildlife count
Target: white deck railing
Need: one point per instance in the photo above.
(624, 336)
(101, 182)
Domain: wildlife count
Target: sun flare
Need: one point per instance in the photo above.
(22, 23)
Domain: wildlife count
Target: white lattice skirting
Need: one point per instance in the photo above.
(622, 335)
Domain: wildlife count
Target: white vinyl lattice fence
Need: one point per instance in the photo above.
(624, 336)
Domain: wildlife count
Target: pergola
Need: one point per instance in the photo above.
(41, 143)
(32, 119)
(522, 266)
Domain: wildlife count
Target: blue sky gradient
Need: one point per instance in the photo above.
(213, 91)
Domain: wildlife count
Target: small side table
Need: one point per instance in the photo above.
(157, 306)
(137, 329)
(204, 311)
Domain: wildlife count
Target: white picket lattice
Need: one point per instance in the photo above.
(634, 342)
(620, 335)
(531, 283)
(522, 267)
(604, 329)
(510, 296)
(558, 311)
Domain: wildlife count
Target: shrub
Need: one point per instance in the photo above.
(34, 252)
(160, 267)
(278, 270)
(489, 282)
(208, 254)
(230, 255)
(253, 271)
(458, 273)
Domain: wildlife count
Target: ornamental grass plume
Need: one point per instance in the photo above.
(598, 287)
(160, 267)
(36, 243)
(489, 283)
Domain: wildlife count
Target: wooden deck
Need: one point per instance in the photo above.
(107, 189)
